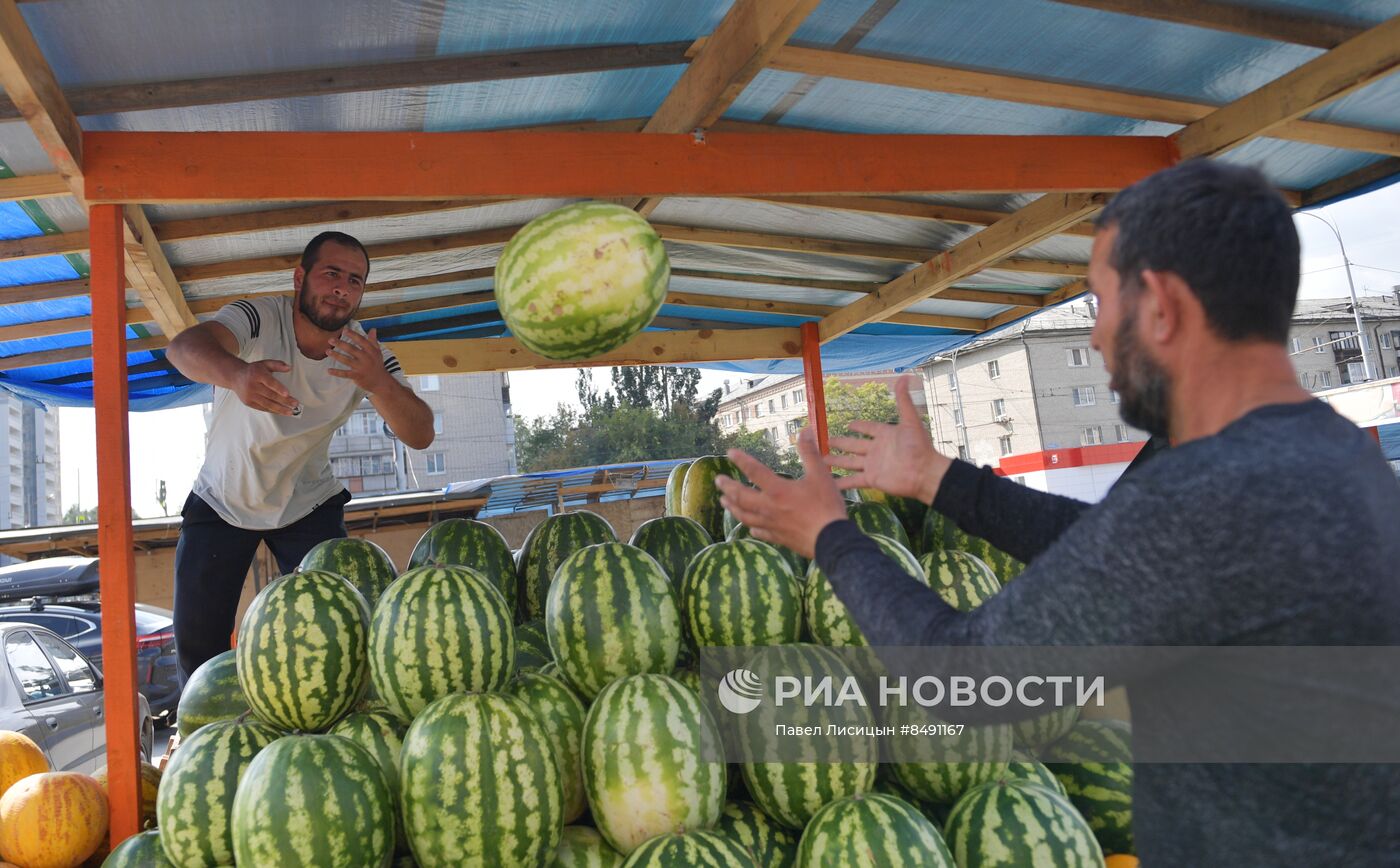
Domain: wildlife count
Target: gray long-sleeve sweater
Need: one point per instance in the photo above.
(1282, 529)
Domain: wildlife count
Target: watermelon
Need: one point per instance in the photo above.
(694, 849)
(791, 792)
(1093, 763)
(302, 651)
(531, 646)
(583, 847)
(561, 713)
(611, 612)
(828, 620)
(466, 542)
(211, 693)
(675, 481)
(139, 851)
(1022, 767)
(961, 579)
(1020, 825)
(480, 784)
(439, 630)
(798, 563)
(700, 497)
(313, 800)
(673, 540)
(770, 845)
(939, 533)
(940, 769)
(741, 593)
(871, 830)
(546, 547)
(910, 511)
(877, 518)
(581, 280)
(651, 761)
(194, 808)
(1037, 733)
(359, 561)
(887, 783)
(380, 732)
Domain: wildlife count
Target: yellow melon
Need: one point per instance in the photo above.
(52, 820)
(150, 785)
(19, 758)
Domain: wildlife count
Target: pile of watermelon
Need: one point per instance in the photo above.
(543, 708)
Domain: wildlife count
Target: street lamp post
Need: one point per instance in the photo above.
(1355, 306)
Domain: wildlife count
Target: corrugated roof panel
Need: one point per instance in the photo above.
(470, 26)
(762, 217)
(1296, 166)
(612, 95)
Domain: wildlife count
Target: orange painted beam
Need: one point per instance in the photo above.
(117, 566)
(816, 387)
(216, 167)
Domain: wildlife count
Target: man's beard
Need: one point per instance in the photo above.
(324, 323)
(1143, 386)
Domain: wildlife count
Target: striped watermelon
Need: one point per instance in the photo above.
(380, 732)
(531, 646)
(359, 561)
(1017, 824)
(546, 547)
(949, 766)
(910, 511)
(961, 579)
(583, 847)
(700, 497)
(871, 830)
(798, 563)
(302, 651)
(212, 693)
(939, 532)
(739, 594)
(791, 792)
(1094, 765)
(651, 761)
(877, 518)
(439, 630)
(770, 845)
(673, 540)
(581, 280)
(466, 542)
(887, 783)
(611, 612)
(561, 713)
(139, 851)
(313, 800)
(675, 481)
(1022, 767)
(194, 808)
(828, 620)
(480, 784)
(1037, 733)
(694, 849)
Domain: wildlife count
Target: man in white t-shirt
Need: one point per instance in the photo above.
(287, 373)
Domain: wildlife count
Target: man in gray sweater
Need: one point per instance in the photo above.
(1271, 521)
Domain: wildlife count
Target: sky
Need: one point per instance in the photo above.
(169, 444)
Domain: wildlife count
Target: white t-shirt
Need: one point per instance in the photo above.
(264, 470)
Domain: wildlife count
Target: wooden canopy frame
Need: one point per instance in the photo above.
(684, 149)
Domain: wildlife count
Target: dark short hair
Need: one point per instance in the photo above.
(313, 248)
(1225, 231)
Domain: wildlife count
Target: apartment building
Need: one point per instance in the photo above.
(31, 473)
(776, 405)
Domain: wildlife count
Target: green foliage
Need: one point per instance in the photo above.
(873, 402)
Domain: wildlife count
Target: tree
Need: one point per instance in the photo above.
(873, 402)
(757, 444)
(74, 515)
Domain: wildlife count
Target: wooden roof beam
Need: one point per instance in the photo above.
(309, 215)
(1351, 181)
(1315, 30)
(22, 187)
(761, 305)
(906, 208)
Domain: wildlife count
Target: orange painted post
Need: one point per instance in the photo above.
(114, 536)
(816, 391)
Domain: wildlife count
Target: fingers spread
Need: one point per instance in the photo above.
(851, 445)
(846, 462)
(754, 469)
(869, 429)
(903, 398)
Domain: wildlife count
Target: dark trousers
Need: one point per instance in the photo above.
(212, 560)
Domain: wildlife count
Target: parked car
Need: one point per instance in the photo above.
(51, 693)
(31, 589)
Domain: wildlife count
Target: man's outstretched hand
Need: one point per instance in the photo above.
(899, 458)
(789, 512)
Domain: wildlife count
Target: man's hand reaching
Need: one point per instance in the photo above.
(256, 387)
(898, 458)
(789, 512)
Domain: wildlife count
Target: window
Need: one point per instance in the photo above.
(437, 423)
(437, 463)
(1324, 379)
(957, 417)
(1319, 345)
(36, 674)
(1078, 357)
(1084, 396)
(1091, 436)
(76, 671)
(1344, 340)
(1385, 340)
(952, 382)
(782, 400)
(369, 423)
(994, 369)
(962, 453)
(998, 408)
(1355, 373)
(1121, 432)
(1113, 397)
(429, 383)
(772, 407)
(757, 411)
(1366, 339)
(799, 396)
(1005, 444)
(793, 426)
(1297, 345)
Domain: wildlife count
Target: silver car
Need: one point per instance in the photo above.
(51, 693)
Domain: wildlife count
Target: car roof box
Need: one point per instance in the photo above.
(49, 577)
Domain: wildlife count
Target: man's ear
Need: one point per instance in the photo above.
(298, 276)
(1164, 304)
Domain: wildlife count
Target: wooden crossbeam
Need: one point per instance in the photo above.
(1349, 67)
(739, 48)
(147, 96)
(43, 245)
(43, 291)
(1064, 293)
(71, 354)
(1040, 219)
(648, 348)
(1311, 29)
(906, 208)
(760, 305)
(308, 215)
(1362, 177)
(23, 187)
(237, 166)
(778, 280)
